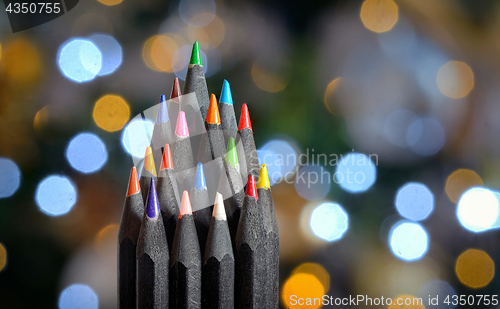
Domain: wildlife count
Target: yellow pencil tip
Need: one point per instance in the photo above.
(263, 178)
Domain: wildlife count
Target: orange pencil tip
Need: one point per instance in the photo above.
(166, 161)
(213, 115)
(133, 183)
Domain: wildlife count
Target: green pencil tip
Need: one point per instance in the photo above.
(195, 55)
(231, 154)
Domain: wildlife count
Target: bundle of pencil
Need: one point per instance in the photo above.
(206, 249)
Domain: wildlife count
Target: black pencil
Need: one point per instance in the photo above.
(128, 233)
(212, 145)
(185, 262)
(271, 242)
(168, 195)
(202, 212)
(182, 154)
(162, 131)
(226, 109)
(250, 258)
(246, 132)
(196, 82)
(174, 106)
(148, 172)
(152, 257)
(218, 262)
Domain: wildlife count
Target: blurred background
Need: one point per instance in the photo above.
(395, 105)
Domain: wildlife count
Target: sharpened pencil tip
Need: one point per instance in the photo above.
(200, 178)
(152, 205)
(133, 183)
(225, 94)
(176, 89)
(166, 160)
(149, 161)
(196, 55)
(181, 129)
(185, 205)
(219, 212)
(263, 178)
(213, 116)
(251, 189)
(244, 118)
(231, 154)
(162, 115)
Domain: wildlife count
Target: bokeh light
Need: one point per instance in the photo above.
(111, 51)
(478, 209)
(355, 172)
(105, 236)
(55, 195)
(313, 182)
(414, 201)
(329, 221)
(3, 257)
(303, 286)
(455, 79)
(425, 136)
(10, 177)
(280, 158)
(317, 271)
(441, 289)
(329, 94)
(267, 81)
(86, 153)
(137, 136)
(197, 13)
(396, 126)
(408, 241)
(21, 61)
(475, 268)
(78, 296)
(211, 35)
(407, 302)
(110, 2)
(460, 181)
(79, 60)
(379, 15)
(180, 61)
(111, 112)
(158, 52)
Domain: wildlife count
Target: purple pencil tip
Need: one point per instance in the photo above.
(152, 205)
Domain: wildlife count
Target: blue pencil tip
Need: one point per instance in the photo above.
(225, 94)
(200, 178)
(152, 205)
(162, 115)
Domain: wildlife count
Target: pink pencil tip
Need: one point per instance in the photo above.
(181, 128)
(185, 205)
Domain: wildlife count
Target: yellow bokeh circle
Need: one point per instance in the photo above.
(407, 302)
(111, 112)
(455, 79)
(379, 15)
(3, 257)
(302, 290)
(158, 52)
(475, 268)
(110, 2)
(460, 181)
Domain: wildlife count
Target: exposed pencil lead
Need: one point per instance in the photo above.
(162, 115)
(251, 189)
(166, 162)
(263, 181)
(213, 116)
(231, 154)
(196, 55)
(176, 89)
(245, 118)
(149, 161)
(200, 178)
(181, 128)
(225, 94)
(219, 212)
(185, 205)
(133, 183)
(152, 205)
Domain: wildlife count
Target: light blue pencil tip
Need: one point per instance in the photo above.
(225, 94)
(162, 115)
(200, 178)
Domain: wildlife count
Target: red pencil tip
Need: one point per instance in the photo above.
(166, 161)
(213, 116)
(244, 118)
(185, 205)
(133, 183)
(176, 89)
(251, 189)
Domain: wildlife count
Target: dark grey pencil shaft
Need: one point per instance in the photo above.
(162, 134)
(168, 197)
(128, 233)
(152, 265)
(251, 159)
(234, 203)
(182, 156)
(196, 82)
(202, 216)
(228, 119)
